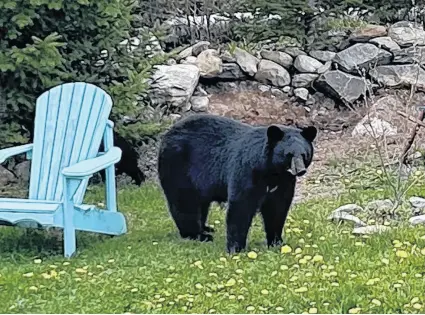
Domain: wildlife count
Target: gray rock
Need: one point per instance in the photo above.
(200, 91)
(6, 177)
(326, 67)
(350, 208)
(399, 76)
(303, 79)
(184, 53)
(374, 127)
(191, 60)
(304, 63)
(232, 71)
(361, 56)
(270, 72)
(209, 64)
(343, 216)
(173, 85)
(174, 117)
(323, 55)
(417, 202)
(281, 58)
(385, 42)
(301, 93)
(200, 47)
(246, 61)
(22, 171)
(200, 103)
(341, 85)
(365, 33)
(226, 56)
(278, 93)
(286, 89)
(419, 219)
(294, 51)
(264, 88)
(406, 34)
(370, 229)
(171, 62)
(410, 55)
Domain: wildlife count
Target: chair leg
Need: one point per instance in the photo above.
(69, 237)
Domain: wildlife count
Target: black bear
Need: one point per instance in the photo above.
(205, 158)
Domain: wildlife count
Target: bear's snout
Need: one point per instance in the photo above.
(297, 167)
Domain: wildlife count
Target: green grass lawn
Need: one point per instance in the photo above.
(151, 270)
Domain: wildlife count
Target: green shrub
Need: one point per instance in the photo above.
(47, 42)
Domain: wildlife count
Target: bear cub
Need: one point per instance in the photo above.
(205, 158)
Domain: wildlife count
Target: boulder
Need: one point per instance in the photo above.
(303, 79)
(281, 58)
(173, 85)
(323, 55)
(385, 42)
(419, 219)
(417, 202)
(200, 47)
(199, 103)
(350, 208)
(209, 63)
(184, 53)
(361, 56)
(365, 33)
(304, 63)
(270, 72)
(301, 93)
(190, 60)
(399, 76)
(374, 127)
(410, 55)
(294, 52)
(407, 34)
(231, 71)
(326, 67)
(344, 216)
(341, 85)
(22, 171)
(6, 177)
(246, 61)
(370, 229)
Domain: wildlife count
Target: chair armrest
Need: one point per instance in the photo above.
(9, 152)
(89, 167)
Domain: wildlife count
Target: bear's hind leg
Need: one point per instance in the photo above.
(274, 212)
(186, 212)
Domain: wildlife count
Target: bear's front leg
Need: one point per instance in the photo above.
(274, 211)
(239, 218)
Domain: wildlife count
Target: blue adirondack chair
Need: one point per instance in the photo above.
(71, 120)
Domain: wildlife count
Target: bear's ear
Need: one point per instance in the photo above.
(274, 133)
(309, 133)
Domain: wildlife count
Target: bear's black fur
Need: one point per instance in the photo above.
(205, 158)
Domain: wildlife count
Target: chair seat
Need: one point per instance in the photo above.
(28, 205)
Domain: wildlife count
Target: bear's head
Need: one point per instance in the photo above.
(290, 149)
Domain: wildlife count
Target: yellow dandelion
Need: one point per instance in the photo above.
(417, 306)
(306, 221)
(423, 251)
(250, 308)
(298, 250)
(213, 274)
(301, 290)
(376, 302)
(66, 263)
(302, 261)
(264, 292)
(28, 275)
(239, 271)
(46, 275)
(335, 284)
(385, 261)
(37, 261)
(33, 288)
(279, 309)
(199, 286)
(241, 297)
(322, 238)
(293, 278)
(100, 267)
(197, 263)
(232, 297)
(134, 290)
(284, 267)
(208, 294)
(231, 282)
(252, 255)
(354, 310)
(318, 258)
(80, 270)
(236, 258)
(285, 249)
(222, 259)
(418, 275)
(111, 261)
(414, 300)
(312, 310)
(307, 257)
(274, 273)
